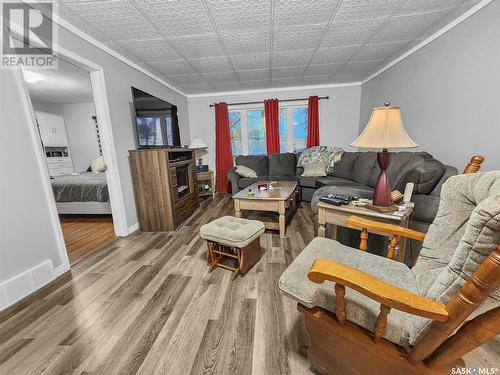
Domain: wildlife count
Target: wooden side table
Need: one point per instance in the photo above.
(337, 215)
(204, 179)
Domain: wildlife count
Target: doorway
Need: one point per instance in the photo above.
(70, 139)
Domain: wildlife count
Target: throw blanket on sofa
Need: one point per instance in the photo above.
(326, 155)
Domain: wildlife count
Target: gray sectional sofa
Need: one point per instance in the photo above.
(356, 174)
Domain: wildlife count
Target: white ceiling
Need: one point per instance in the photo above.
(226, 45)
(66, 84)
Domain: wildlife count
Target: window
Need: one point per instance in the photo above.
(299, 128)
(235, 129)
(256, 131)
(248, 130)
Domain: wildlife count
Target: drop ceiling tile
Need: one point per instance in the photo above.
(297, 37)
(178, 18)
(334, 55)
(187, 79)
(364, 9)
(283, 82)
(226, 86)
(292, 57)
(251, 61)
(297, 72)
(322, 69)
(239, 15)
(407, 27)
(150, 50)
(255, 74)
(250, 41)
(316, 79)
(416, 6)
(360, 66)
(348, 77)
(257, 84)
(196, 88)
(220, 77)
(174, 67)
(198, 45)
(303, 12)
(351, 33)
(211, 64)
(118, 19)
(378, 51)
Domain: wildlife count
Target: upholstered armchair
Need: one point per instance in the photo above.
(365, 312)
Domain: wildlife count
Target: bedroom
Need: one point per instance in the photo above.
(69, 136)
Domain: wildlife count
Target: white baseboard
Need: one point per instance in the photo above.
(133, 228)
(27, 282)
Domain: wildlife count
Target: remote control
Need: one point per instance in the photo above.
(334, 201)
(342, 197)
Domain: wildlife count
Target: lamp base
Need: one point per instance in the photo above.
(382, 193)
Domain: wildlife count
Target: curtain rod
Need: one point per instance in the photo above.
(284, 100)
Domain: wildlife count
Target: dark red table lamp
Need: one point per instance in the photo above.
(384, 130)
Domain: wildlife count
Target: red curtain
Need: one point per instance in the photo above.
(272, 115)
(312, 122)
(223, 153)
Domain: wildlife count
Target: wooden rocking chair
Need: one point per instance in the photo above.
(450, 289)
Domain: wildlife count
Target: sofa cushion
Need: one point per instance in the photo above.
(245, 171)
(247, 181)
(232, 231)
(426, 207)
(465, 231)
(365, 169)
(344, 168)
(283, 178)
(359, 309)
(282, 164)
(259, 163)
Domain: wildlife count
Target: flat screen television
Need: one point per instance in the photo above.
(156, 121)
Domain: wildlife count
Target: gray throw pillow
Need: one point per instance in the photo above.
(314, 170)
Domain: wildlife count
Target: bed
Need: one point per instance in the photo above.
(81, 193)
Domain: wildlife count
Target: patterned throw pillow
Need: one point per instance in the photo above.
(327, 155)
(314, 170)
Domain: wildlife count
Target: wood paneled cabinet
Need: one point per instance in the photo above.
(165, 187)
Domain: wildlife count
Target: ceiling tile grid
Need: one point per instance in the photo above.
(213, 45)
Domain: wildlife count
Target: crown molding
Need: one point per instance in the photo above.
(82, 35)
(431, 38)
(273, 89)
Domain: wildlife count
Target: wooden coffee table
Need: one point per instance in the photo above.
(337, 215)
(281, 200)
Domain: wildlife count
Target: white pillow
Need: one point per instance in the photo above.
(98, 165)
(245, 171)
(314, 170)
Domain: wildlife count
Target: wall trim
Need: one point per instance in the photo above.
(289, 88)
(22, 285)
(133, 228)
(431, 38)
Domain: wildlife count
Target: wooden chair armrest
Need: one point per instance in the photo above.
(376, 289)
(356, 222)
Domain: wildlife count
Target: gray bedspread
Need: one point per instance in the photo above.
(82, 187)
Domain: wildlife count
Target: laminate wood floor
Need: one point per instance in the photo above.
(86, 234)
(147, 305)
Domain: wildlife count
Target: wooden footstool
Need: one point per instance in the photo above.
(230, 237)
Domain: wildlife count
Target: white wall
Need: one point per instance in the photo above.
(28, 238)
(81, 131)
(449, 92)
(339, 115)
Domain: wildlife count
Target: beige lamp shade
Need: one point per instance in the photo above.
(197, 143)
(385, 129)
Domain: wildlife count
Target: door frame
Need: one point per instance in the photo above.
(101, 105)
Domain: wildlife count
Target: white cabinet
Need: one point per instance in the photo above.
(52, 129)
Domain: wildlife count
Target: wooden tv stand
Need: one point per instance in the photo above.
(165, 187)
